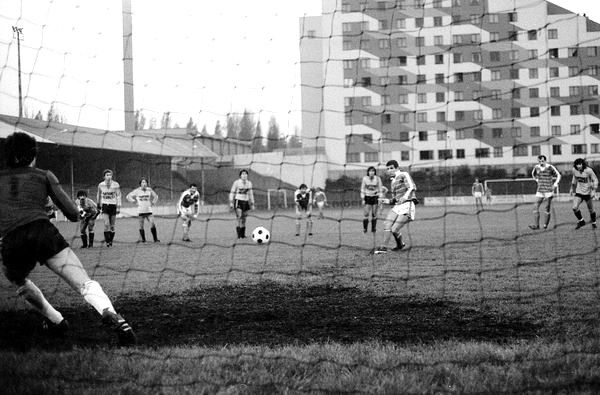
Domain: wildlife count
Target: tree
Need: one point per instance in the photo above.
(191, 126)
(39, 116)
(257, 141)
(55, 116)
(273, 138)
(152, 123)
(294, 140)
(140, 120)
(218, 131)
(233, 125)
(247, 126)
(204, 132)
(165, 122)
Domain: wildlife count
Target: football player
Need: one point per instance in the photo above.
(109, 200)
(188, 208)
(303, 200)
(585, 184)
(145, 198)
(241, 200)
(28, 237)
(88, 212)
(320, 200)
(370, 191)
(477, 192)
(403, 201)
(547, 178)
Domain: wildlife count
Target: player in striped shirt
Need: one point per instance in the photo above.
(88, 211)
(370, 192)
(303, 200)
(585, 184)
(547, 178)
(29, 238)
(188, 207)
(145, 198)
(241, 200)
(403, 200)
(109, 200)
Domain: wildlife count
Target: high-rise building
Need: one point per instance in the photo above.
(450, 82)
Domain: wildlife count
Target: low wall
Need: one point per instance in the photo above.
(499, 199)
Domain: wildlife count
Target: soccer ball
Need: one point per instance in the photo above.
(261, 235)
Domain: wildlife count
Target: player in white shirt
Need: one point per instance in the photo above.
(477, 192)
(585, 185)
(109, 201)
(241, 200)
(145, 198)
(188, 207)
(320, 200)
(403, 199)
(370, 192)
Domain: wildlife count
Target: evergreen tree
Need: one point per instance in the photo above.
(191, 126)
(140, 120)
(152, 123)
(257, 141)
(233, 125)
(204, 132)
(247, 126)
(218, 131)
(294, 140)
(273, 137)
(165, 123)
(39, 116)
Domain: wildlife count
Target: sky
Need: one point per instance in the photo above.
(193, 58)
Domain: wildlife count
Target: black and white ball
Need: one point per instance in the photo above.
(261, 235)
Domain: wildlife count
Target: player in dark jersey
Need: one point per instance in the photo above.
(303, 200)
(585, 185)
(88, 211)
(29, 237)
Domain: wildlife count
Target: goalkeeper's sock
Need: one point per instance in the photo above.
(84, 240)
(112, 236)
(593, 216)
(32, 294)
(578, 214)
(237, 231)
(107, 237)
(143, 235)
(365, 224)
(243, 232)
(93, 294)
(154, 234)
(91, 239)
(374, 225)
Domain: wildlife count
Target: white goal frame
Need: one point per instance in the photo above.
(283, 192)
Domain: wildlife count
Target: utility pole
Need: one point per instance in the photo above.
(128, 98)
(19, 31)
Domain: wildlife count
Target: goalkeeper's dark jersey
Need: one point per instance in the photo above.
(24, 195)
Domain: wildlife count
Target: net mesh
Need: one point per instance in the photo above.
(315, 298)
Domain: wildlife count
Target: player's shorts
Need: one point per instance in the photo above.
(372, 200)
(544, 194)
(243, 205)
(110, 209)
(144, 215)
(187, 212)
(584, 198)
(406, 208)
(34, 242)
(477, 195)
(320, 204)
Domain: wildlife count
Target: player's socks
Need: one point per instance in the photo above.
(237, 230)
(578, 215)
(399, 243)
(112, 237)
(374, 225)
(309, 227)
(297, 228)
(32, 294)
(536, 219)
(143, 235)
(547, 220)
(593, 217)
(107, 238)
(243, 232)
(91, 239)
(365, 224)
(84, 240)
(93, 294)
(154, 234)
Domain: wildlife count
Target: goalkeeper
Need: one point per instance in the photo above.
(88, 212)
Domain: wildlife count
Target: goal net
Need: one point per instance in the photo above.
(314, 93)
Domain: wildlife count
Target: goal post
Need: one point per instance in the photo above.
(279, 198)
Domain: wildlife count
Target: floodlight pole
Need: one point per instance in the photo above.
(18, 31)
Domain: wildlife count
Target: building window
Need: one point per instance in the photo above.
(478, 115)
(497, 133)
(371, 157)
(419, 22)
(577, 149)
(514, 74)
(476, 76)
(386, 99)
(534, 112)
(573, 91)
(533, 53)
(478, 133)
(515, 131)
(532, 35)
(552, 34)
(349, 64)
(592, 51)
(420, 60)
(459, 115)
(440, 97)
(426, 155)
(437, 21)
(493, 18)
(575, 129)
(401, 42)
(384, 81)
(514, 54)
(496, 76)
(553, 53)
(535, 150)
(476, 95)
(384, 62)
(384, 43)
(444, 154)
(422, 136)
(512, 17)
(458, 96)
(534, 131)
(475, 19)
(401, 24)
(365, 81)
(475, 38)
(353, 157)
(594, 109)
(555, 111)
(347, 45)
(422, 117)
(457, 57)
(442, 135)
(404, 117)
(513, 36)
(404, 155)
(403, 98)
(419, 41)
(556, 130)
(497, 113)
(533, 74)
(554, 72)
(515, 112)
(439, 78)
(520, 150)
(476, 57)
(441, 116)
(383, 24)
(460, 153)
(494, 36)
(594, 148)
(516, 93)
(402, 60)
(365, 100)
(421, 78)
(459, 77)
(347, 118)
(482, 152)
(421, 98)
(386, 118)
(534, 93)
(592, 90)
(367, 119)
(438, 40)
(494, 56)
(573, 52)
(439, 59)
(575, 109)
(592, 70)
(346, 27)
(348, 82)
(498, 153)
(364, 43)
(557, 149)
(573, 71)
(457, 39)
(554, 91)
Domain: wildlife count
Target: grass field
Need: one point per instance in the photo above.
(477, 303)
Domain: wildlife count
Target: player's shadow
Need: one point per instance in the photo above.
(272, 314)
